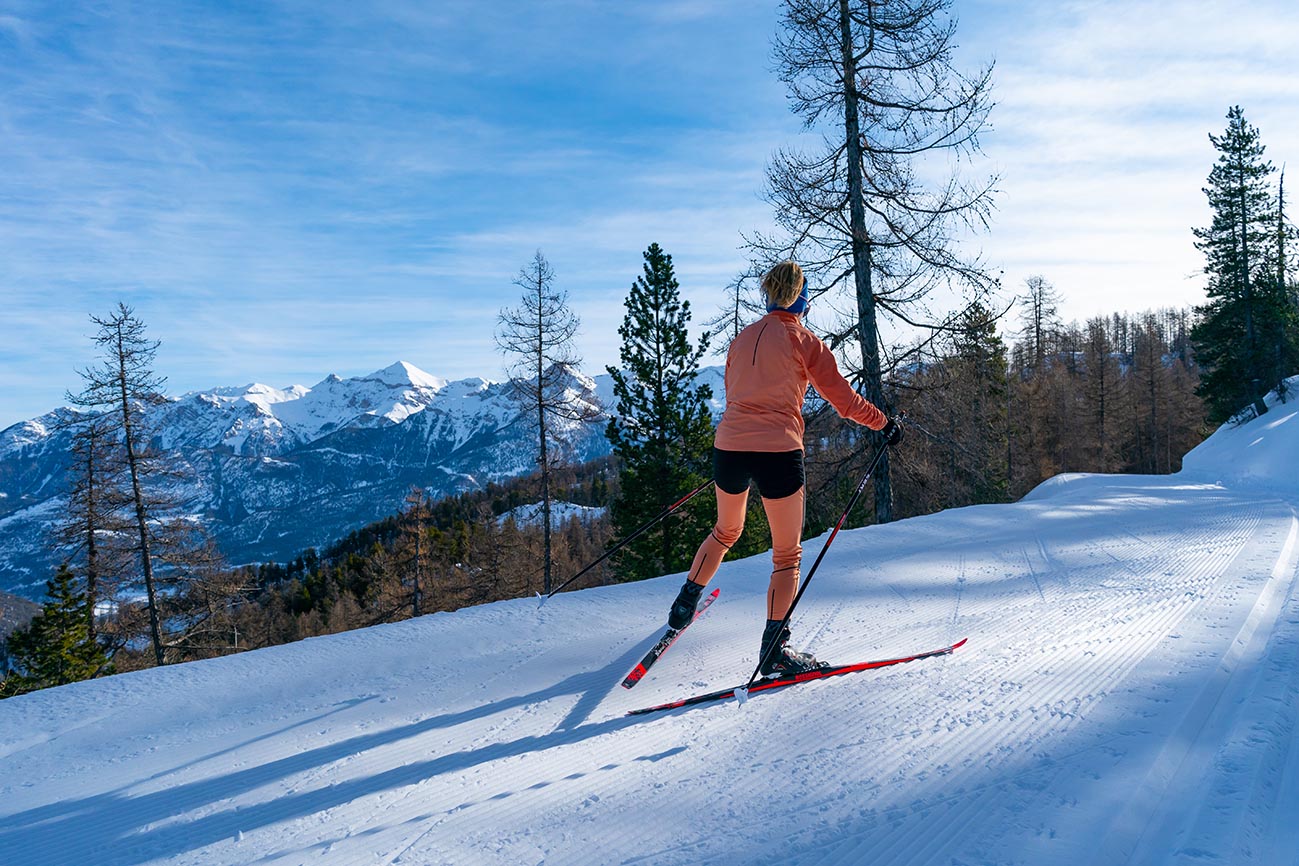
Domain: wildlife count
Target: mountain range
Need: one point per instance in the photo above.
(273, 471)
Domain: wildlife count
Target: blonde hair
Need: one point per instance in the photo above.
(783, 283)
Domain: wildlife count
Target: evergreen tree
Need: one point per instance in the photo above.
(56, 647)
(662, 429)
(1245, 338)
(979, 373)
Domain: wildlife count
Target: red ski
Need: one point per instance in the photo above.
(780, 682)
(669, 638)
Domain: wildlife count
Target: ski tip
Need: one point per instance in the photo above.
(960, 643)
(541, 600)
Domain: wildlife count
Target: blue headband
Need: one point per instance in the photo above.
(798, 308)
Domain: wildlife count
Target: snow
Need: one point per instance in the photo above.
(1261, 453)
(406, 375)
(1129, 694)
(560, 513)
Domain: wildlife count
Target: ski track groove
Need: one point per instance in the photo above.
(1171, 609)
(937, 750)
(1196, 745)
(1280, 836)
(1046, 719)
(1166, 614)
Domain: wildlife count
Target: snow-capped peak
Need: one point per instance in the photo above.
(404, 375)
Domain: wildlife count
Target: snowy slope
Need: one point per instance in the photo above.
(1129, 694)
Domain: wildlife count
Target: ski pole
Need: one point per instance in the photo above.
(807, 581)
(630, 538)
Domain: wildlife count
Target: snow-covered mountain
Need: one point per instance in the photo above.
(1128, 695)
(273, 471)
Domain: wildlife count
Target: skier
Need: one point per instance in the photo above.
(760, 438)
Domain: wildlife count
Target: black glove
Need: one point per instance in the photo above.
(892, 432)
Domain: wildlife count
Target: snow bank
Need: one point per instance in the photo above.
(1260, 454)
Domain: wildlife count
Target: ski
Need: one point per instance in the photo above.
(766, 685)
(669, 638)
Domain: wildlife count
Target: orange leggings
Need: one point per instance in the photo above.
(786, 518)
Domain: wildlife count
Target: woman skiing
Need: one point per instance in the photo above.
(760, 438)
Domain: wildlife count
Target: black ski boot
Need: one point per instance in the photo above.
(783, 660)
(683, 609)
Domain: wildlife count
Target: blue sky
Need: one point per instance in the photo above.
(288, 189)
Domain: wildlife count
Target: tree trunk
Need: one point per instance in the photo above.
(867, 330)
(92, 551)
(543, 458)
(1256, 385)
(141, 515)
(419, 531)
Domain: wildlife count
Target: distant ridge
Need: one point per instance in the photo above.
(272, 471)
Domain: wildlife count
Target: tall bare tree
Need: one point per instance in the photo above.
(91, 521)
(120, 388)
(1040, 318)
(538, 334)
(1101, 391)
(741, 308)
(861, 215)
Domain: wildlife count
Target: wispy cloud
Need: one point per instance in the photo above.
(295, 188)
(1101, 137)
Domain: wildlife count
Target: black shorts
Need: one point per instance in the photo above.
(778, 473)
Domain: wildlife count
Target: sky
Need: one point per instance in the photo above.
(286, 189)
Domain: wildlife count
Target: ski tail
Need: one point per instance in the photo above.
(669, 637)
(807, 676)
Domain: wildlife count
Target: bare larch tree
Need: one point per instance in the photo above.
(120, 387)
(91, 520)
(875, 215)
(538, 335)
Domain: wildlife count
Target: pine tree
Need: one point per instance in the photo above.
(1245, 337)
(1286, 291)
(979, 375)
(56, 647)
(662, 428)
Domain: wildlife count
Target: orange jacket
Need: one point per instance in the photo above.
(768, 369)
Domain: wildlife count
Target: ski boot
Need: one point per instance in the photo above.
(784, 660)
(683, 609)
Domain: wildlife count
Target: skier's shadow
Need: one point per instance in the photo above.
(593, 688)
(119, 826)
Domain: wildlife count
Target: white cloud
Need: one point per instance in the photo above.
(334, 186)
(1101, 139)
